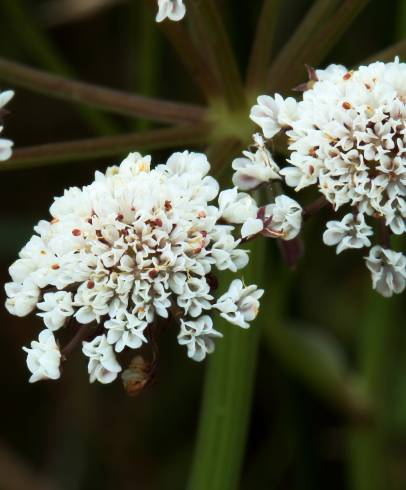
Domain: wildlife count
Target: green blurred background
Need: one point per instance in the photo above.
(326, 337)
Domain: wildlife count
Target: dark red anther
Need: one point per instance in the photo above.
(76, 232)
(153, 273)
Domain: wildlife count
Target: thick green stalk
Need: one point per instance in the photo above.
(368, 464)
(38, 46)
(227, 398)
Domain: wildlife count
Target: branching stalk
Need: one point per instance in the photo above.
(55, 153)
(290, 55)
(190, 57)
(262, 46)
(205, 17)
(103, 98)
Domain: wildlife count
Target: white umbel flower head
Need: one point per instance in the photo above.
(346, 138)
(135, 248)
(6, 145)
(240, 305)
(44, 357)
(170, 9)
(350, 232)
(198, 336)
(349, 138)
(388, 270)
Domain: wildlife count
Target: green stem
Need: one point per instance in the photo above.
(103, 98)
(227, 399)
(368, 463)
(263, 44)
(290, 55)
(39, 47)
(205, 17)
(191, 58)
(56, 153)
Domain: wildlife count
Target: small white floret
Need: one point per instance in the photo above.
(240, 305)
(285, 216)
(351, 232)
(44, 357)
(172, 9)
(103, 365)
(198, 336)
(388, 270)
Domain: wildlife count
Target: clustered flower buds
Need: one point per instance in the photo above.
(347, 138)
(5, 144)
(120, 256)
(172, 9)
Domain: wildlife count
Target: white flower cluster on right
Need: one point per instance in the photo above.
(347, 138)
(136, 248)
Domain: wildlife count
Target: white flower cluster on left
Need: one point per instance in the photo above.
(134, 246)
(170, 9)
(5, 144)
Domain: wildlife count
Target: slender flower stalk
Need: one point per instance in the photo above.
(207, 18)
(100, 97)
(262, 47)
(91, 148)
(190, 56)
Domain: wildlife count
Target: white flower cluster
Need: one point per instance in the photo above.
(134, 246)
(347, 137)
(172, 9)
(5, 144)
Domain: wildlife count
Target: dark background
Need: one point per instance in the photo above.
(80, 436)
